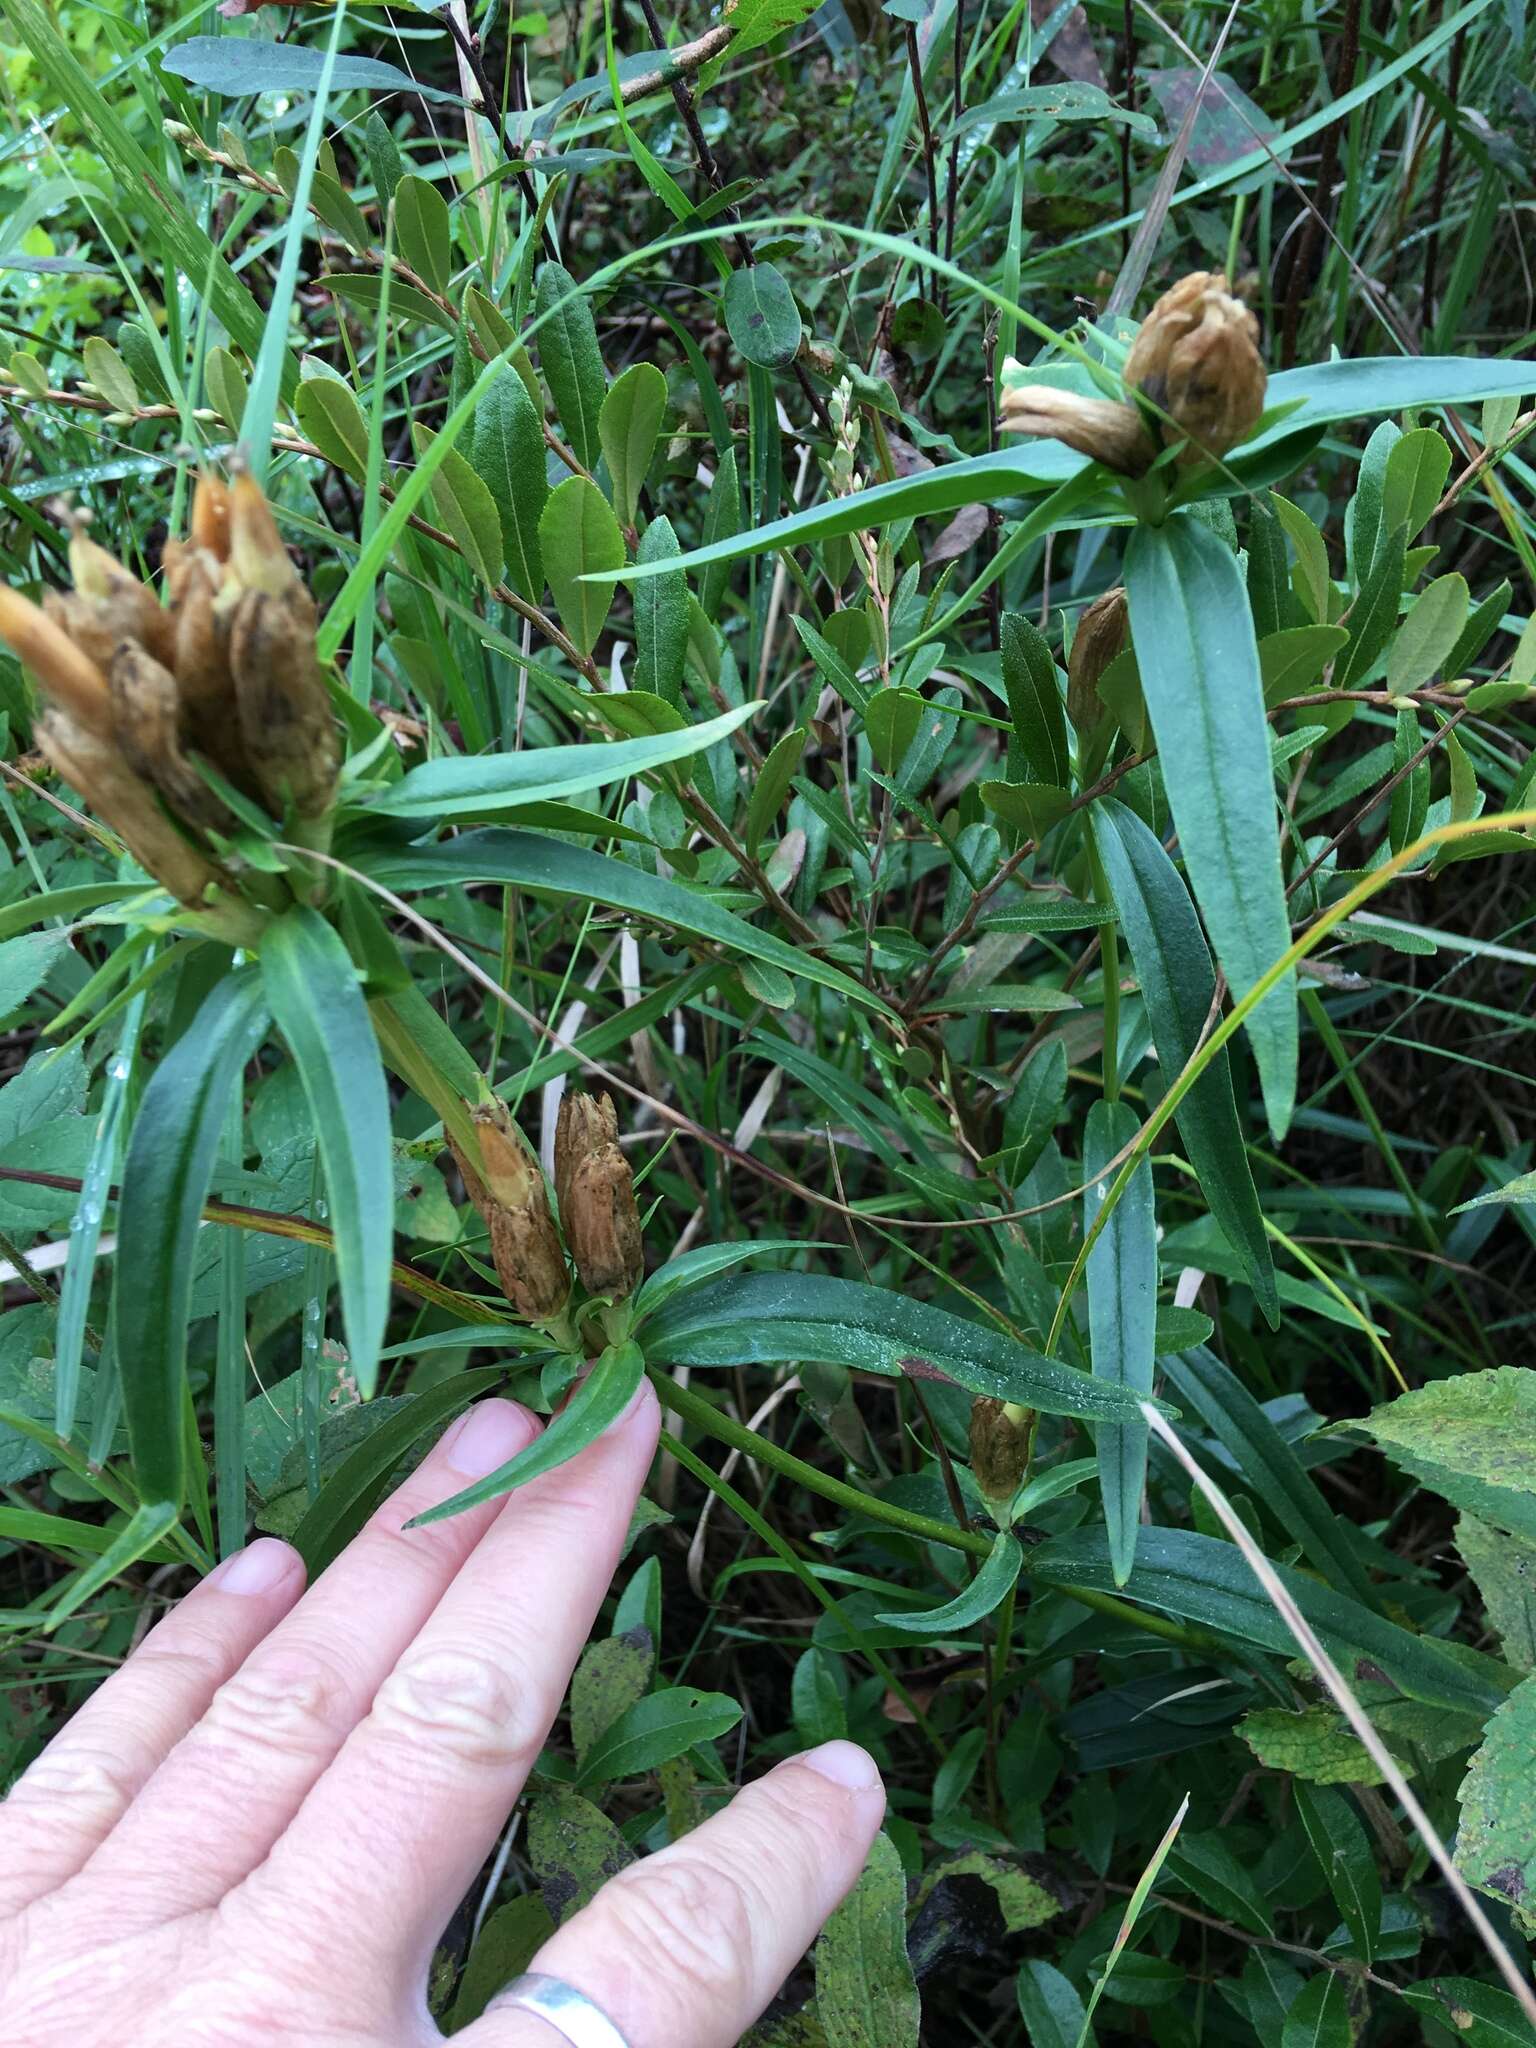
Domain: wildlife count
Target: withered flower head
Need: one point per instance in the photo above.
(225, 670)
(1110, 433)
(597, 1196)
(1197, 359)
(1102, 633)
(506, 1186)
(999, 1449)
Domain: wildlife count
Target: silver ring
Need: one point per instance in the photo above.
(569, 2011)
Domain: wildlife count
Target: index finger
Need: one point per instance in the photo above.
(418, 1793)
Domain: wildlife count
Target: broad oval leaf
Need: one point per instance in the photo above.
(424, 232)
(1122, 1316)
(236, 66)
(865, 1990)
(1193, 634)
(329, 415)
(579, 537)
(318, 1006)
(761, 315)
(165, 1182)
(628, 423)
(765, 1318)
(1178, 985)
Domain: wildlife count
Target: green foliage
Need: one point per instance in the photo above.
(698, 649)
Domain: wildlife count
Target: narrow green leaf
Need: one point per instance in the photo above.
(1178, 985)
(1416, 472)
(1319, 2017)
(1269, 1465)
(765, 1318)
(1199, 666)
(1475, 2014)
(628, 423)
(656, 1729)
(318, 1006)
(1314, 584)
(1050, 2007)
(774, 780)
(508, 1942)
(383, 156)
(1344, 1850)
(661, 618)
(423, 232)
(366, 289)
(166, 1175)
(578, 537)
(1373, 615)
(866, 1995)
(508, 455)
(987, 1591)
(1034, 699)
(1122, 1317)
(598, 1401)
(572, 360)
(138, 1536)
(466, 508)
(352, 1492)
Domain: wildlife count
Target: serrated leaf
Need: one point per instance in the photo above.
(1471, 1438)
(761, 316)
(579, 537)
(1178, 985)
(507, 451)
(466, 508)
(1504, 1569)
(628, 423)
(1317, 1744)
(424, 232)
(1199, 664)
(1122, 1316)
(572, 360)
(1496, 1835)
(866, 1995)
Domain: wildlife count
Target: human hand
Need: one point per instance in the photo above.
(257, 1829)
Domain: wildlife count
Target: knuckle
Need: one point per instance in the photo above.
(697, 1915)
(190, 1666)
(94, 1785)
(458, 1699)
(296, 1700)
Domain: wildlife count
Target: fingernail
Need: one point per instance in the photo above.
(845, 1764)
(259, 1568)
(486, 1437)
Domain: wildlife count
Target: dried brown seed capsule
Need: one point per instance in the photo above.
(114, 600)
(1197, 359)
(257, 558)
(597, 1196)
(506, 1186)
(1110, 433)
(1103, 631)
(284, 707)
(210, 517)
(1000, 1437)
(65, 671)
(95, 767)
(145, 718)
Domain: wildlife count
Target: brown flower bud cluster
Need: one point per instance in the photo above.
(511, 1196)
(597, 1196)
(1000, 1442)
(224, 670)
(1195, 363)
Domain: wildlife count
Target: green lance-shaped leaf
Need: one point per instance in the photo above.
(1206, 1580)
(661, 618)
(1050, 2007)
(507, 450)
(424, 232)
(766, 1318)
(1342, 1847)
(600, 1400)
(866, 1995)
(318, 1005)
(466, 509)
(579, 537)
(1272, 1469)
(628, 423)
(990, 1587)
(656, 1729)
(165, 1184)
(383, 156)
(1199, 663)
(573, 363)
(1173, 965)
(761, 316)
(1034, 700)
(508, 1942)
(136, 1538)
(774, 780)
(1318, 2016)
(1122, 1316)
